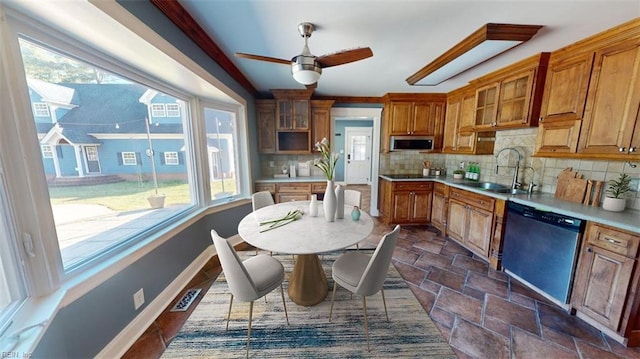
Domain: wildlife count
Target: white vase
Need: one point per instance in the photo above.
(329, 202)
(614, 204)
(313, 206)
(339, 202)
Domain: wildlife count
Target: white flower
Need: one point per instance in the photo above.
(327, 161)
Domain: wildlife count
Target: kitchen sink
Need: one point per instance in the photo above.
(490, 186)
(509, 191)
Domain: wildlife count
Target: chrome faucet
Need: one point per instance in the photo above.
(514, 183)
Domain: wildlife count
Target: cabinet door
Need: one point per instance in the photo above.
(300, 114)
(486, 106)
(451, 124)
(439, 211)
(613, 100)
(457, 220)
(266, 127)
(421, 207)
(423, 122)
(513, 102)
(321, 123)
(565, 88)
(478, 237)
(558, 137)
(401, 114)
(285, 115)
(402, 207)
(601, 285)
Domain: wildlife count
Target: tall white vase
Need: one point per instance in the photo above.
(329, 202)
(339, 202)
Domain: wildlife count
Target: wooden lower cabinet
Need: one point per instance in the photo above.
(606, 283)
(439, 206)
(405, 202)
(470, 220)
(292, 191)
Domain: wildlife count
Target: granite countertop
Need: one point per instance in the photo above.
(629, 219)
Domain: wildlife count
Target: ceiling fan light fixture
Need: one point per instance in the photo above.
(305, 69)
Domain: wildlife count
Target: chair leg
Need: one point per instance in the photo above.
(229, 314)
(366, 323)
(249, 329)
(257, 250)
(284, 304)
(385, 304)
(357, 246)
(333, 297)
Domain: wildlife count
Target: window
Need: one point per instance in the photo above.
(221, 149)
(173, 110)
(157, 110)
(129, 159)
(171, 158)
(40, 109)
(88, 120)
(47, 151)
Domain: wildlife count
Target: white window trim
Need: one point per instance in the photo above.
(41, 109)
(171, 158)
(47, 151)
(173, 110)
(158, 110)
(127, 159)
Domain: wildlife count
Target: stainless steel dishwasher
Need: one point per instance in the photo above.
(540, 249)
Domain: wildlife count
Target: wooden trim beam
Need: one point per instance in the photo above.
(490, 31)
(181, 18)
(349, 99)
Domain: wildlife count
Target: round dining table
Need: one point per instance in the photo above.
(305, 237)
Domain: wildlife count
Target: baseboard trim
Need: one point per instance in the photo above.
(134, 330)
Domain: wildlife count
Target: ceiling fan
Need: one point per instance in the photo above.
(306, 67)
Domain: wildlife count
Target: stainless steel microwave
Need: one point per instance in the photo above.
(411, 143)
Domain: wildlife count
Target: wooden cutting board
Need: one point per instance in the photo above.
(571, 186)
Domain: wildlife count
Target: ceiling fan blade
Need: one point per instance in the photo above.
(263, 58)
(344, 57)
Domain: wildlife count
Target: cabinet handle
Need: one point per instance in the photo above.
(541, 119)
(589, 250)
(612, 241)
(622, 149)
(632, 149)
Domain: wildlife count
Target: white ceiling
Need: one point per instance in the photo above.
(404, 35)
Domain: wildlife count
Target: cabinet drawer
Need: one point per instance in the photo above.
(294, 187)
(440, 188)
(412, 186)
(614, 240)
(319, 187)
(285, 197)
(473, 199)
(266, 187)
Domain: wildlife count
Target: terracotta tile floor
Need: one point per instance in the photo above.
(481, 312)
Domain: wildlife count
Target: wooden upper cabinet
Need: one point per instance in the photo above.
(565, 90)
(320, 120)
(511, 97)
(293, 114)
(266, 111)
(611, 113)
(460, 117)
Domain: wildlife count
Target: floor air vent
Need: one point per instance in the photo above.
(186, 300)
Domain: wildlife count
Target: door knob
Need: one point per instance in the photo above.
(632, 149)
(622, 149)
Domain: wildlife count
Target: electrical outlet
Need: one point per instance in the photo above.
(635, 185)
(271, 164)
(138, 299)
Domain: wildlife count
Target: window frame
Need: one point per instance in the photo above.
(171, 158)
(44, 108)
(129, 158)
(173, 112)
(158, 110)
(47, 150)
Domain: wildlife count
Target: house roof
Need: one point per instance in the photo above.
(52, 93)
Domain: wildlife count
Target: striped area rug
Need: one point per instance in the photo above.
(409, 334)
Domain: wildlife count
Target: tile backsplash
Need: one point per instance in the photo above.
(541, 171)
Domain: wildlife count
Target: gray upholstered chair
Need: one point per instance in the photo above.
(364, 275)
(249, 280)
(353, 198)
(259, 200)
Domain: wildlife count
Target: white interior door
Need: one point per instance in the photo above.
(357, 155)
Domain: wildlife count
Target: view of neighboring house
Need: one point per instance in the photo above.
(113, 129)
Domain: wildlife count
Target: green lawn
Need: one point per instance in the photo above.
(130, 195)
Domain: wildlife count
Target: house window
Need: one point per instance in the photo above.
(47, 151)
(40, 109)
(90, 119)
(222, 147)
(158, 110)
(171, 158)
(129, 159)
(173, 110)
